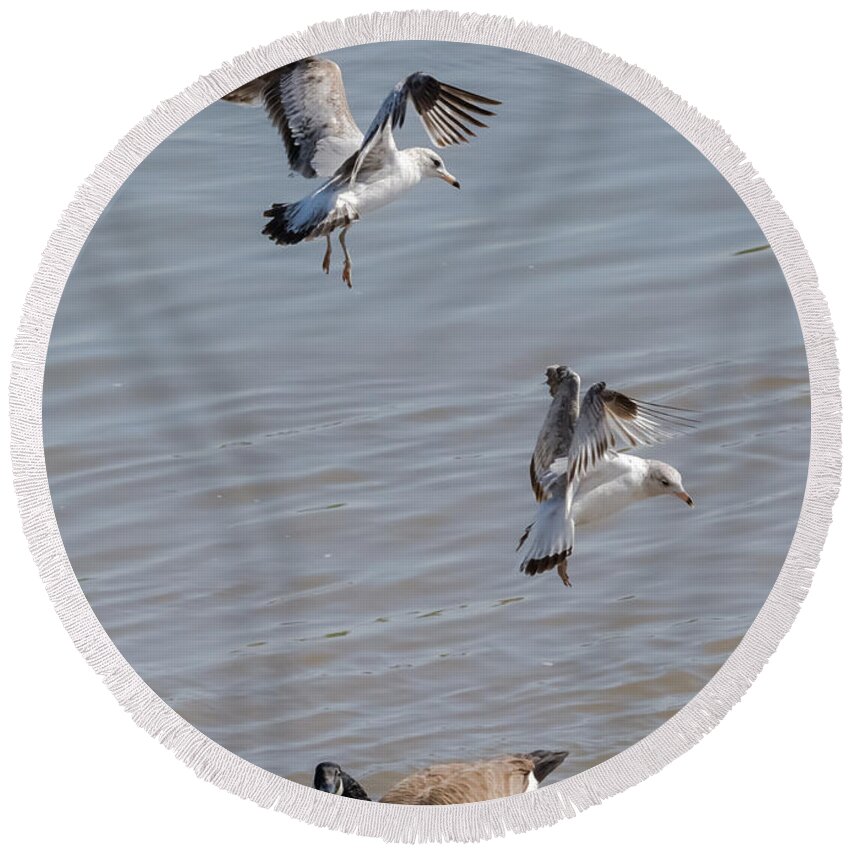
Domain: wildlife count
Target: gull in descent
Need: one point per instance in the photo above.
(577, 475)
(306, 102)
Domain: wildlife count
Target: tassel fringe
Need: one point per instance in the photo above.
(477, 821)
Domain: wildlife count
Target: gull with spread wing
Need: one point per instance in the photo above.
(307, 104)
(578, 476)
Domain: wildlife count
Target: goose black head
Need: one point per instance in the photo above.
(332, 779)
(328, 778)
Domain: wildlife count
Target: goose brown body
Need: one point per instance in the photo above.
(464, 783)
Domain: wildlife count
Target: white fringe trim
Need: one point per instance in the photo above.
(435, 823)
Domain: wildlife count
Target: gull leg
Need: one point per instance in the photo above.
(562, 572)
(346, 268)
(326, 261)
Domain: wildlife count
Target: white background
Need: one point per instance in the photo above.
(77, 77)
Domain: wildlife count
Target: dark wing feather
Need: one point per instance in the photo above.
(609, 418)
(442, 108)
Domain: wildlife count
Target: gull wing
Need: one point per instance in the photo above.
(556, 435)
(307, 104)
(445, 111)
(609, 418)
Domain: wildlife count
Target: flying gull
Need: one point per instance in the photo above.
(577, 475)
(306, 102)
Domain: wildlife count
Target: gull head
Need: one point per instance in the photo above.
(431, 165)
(328, 778)
(555, 374)
(665, 480)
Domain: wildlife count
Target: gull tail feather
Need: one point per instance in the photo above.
(548, 541)
(316, 215)
(283, 227)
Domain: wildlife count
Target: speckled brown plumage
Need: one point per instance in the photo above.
(474, 782)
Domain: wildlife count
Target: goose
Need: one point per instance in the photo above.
(578, 477)
(306, 102)
(443, 784)
(330, 777)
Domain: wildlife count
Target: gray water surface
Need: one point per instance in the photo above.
(294, 507)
